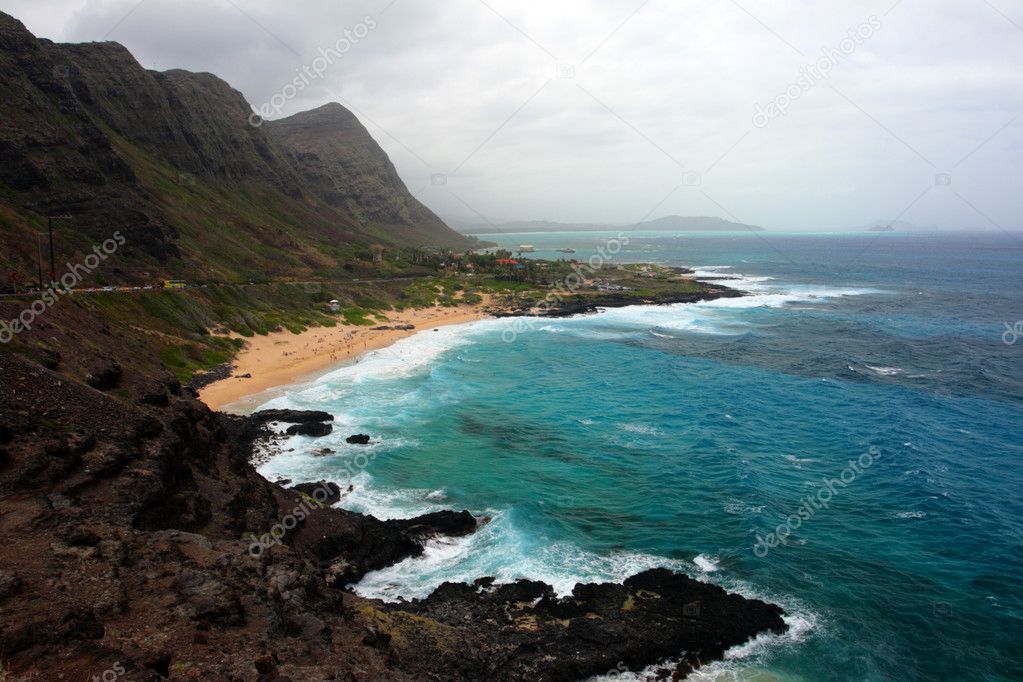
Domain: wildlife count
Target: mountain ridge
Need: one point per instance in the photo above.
(169, 159)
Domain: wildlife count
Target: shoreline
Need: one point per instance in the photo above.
(282, 358)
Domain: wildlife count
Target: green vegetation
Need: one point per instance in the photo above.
(420, 294)
(358, 316)
(199, 328)
(195, 329)
(184, 360)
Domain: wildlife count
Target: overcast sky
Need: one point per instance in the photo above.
(618, 110)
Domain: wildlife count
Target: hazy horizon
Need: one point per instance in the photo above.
(592, 112)
(459, 223)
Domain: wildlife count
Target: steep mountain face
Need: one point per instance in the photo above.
(170, 160)
(194, 121)
(347, 169)
(55, 159)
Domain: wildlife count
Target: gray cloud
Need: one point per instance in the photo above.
(652, 95)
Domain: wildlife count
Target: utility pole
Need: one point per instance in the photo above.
(53, 269)
(39, 253)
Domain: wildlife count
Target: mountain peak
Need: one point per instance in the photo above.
(329, 113)
(13, 34)
(347, 169)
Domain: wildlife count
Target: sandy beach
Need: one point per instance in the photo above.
(283, 358)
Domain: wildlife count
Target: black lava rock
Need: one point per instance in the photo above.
(104, 376)
(331, 495)
(311, 429)
(292, 416)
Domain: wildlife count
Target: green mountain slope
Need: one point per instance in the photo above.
(169, 160)
(348, 170)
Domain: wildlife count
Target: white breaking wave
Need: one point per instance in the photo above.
(498, 549)
(716, 316)
(402, 503)
(406, 355)
(742, 663)
(885, 371)
(706, 564)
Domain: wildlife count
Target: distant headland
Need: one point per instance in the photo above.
(672, 223)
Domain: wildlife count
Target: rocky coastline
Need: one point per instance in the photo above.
(138, 535)
(569, 306)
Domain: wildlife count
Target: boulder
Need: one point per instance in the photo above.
(454, 524)
(291, 416)
(311, 429)
(207, 599)
(358, 439)
(341, 572)
(333, 491)
(353, 544)
(104, 375)
(154, 394)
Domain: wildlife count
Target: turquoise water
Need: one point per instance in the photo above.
(676, 436)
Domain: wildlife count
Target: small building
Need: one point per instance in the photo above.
(507, 261)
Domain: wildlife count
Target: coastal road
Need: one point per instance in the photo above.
(34, 293)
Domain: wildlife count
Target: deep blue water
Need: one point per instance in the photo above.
(676, 435)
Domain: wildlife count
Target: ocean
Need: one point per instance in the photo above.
(844, 441)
